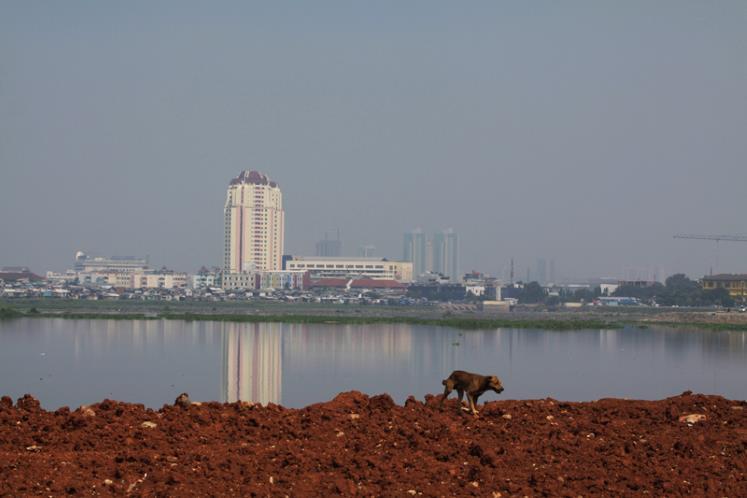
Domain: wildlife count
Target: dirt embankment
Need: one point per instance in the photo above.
(357, 445)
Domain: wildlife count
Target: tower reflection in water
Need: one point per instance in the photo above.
(252, 363)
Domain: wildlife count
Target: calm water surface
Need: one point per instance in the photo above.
(73, 362)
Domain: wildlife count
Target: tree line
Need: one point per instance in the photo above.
(677, 290)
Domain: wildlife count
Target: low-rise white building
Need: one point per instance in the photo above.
(375, 268)
(99, 279)
(134, 280)
(204, 280)
(159, 280)
(264, 280)
(115, 264)
(608, 289)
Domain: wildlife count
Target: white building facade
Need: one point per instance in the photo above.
(134, 280)
(264, 280)
(376, 268)
(114, 264)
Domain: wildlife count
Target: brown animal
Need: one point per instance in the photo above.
(473, 384)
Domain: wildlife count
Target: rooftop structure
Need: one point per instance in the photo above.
(13, 273)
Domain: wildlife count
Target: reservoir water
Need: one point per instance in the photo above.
(73, 362)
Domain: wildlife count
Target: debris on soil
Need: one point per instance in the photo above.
(693, 418)
(86, 411)
(356, 445)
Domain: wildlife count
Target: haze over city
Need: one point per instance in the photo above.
(585, 133)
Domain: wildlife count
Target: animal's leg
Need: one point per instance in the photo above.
(461, 397)
(471, 404)
(448, 387)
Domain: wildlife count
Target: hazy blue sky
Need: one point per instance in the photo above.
(584, 132)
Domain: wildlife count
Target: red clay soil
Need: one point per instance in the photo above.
(368, 446)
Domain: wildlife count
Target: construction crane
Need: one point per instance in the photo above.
(717, 238)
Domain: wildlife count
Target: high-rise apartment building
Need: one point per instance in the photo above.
(329, 248)
(254, 224)
(367, 251)
(440, 254)
(541, 273)
(552, 272)
(445, 256)
(414, 251)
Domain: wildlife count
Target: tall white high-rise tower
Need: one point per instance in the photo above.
(254, 224)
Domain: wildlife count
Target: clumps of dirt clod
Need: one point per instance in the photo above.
(356, 445)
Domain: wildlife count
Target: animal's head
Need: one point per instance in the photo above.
(495, 384)
(183, 400)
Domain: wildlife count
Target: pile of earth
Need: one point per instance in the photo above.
(369, 446)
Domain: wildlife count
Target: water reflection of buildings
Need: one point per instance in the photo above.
(252, 362)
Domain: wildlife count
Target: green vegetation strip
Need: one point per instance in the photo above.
(730, 327)
(465, 323)
(7, 313)
(455, 322)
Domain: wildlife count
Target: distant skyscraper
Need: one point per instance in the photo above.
(552, 272)
(414, 251)
(445, 249)
(429, 255)
(329, 248)
(367, 251)
(541, 275)
(254, 224)
(437, 251)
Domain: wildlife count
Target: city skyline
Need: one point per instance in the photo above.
(531, 134)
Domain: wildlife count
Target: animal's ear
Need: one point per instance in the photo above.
(494, 378)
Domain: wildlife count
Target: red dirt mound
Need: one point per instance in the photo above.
(369, 446)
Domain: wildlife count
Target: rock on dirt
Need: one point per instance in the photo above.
(693, 418)
(544, 448)
(86, 411)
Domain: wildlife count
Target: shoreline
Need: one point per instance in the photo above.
(355, 444)
(369, 315)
